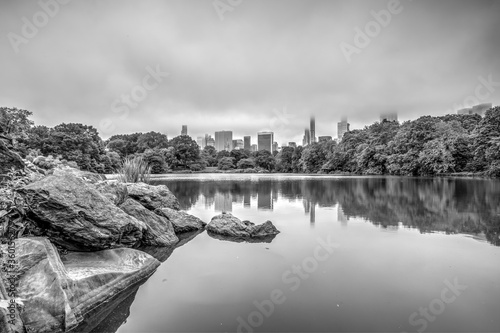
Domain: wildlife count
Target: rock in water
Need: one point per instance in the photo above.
(182, 222)
(9, 159)
(56, 295)
(232, 228)
(152, 197)
(76, 216)
(159, 230)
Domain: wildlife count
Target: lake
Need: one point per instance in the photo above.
(355, 254)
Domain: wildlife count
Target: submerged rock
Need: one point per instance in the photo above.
(159, 230)
(228, 227)
(182, 221)
(56, 295)
(75, 215)
(152, 197)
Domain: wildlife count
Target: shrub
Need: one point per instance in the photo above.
(134, 170)
(246, 163)
(226, 163)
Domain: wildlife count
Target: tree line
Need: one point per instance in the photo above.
(426, 146)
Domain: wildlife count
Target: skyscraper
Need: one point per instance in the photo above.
(275, 146)
(312, 128)
(265, 141)
(247, 142)
(307, 138)
(224, 140)
(389, 116)
(342, 128)
(184, 130)
(201, 142)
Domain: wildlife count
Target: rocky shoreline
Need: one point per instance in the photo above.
(92, 243)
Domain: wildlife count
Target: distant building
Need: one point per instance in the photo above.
(292, 144)
(342, 128)
(479, 109)
(247, 142)
(254, 148)
(201, 142)
(325, 138)
(265, 141)
(184, 130)
(389, 116)
(306, 141)
(224, 140)
(275, 146)
(238, 144)
(209, 140)
(312, 129)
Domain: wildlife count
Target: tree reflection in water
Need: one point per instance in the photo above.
(451, 205)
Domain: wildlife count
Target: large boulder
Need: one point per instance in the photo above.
(182, 221)
(75, 215)
(228, 227)
(9, 159)
(152, 197)
(159, 230)
(88, 176)
(56, 294)
(113, 190)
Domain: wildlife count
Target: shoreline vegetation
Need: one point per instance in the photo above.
(450, 145)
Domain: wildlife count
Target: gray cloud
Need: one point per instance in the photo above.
(232, 74)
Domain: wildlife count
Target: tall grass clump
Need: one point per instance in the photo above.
(134, 170)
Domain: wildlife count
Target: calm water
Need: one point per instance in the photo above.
(404, 254)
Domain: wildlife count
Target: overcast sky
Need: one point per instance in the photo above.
(247, 67)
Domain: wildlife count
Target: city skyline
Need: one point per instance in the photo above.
(199, 69)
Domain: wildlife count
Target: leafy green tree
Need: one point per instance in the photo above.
(238, 155)
(313, 158)
(151, 140)
(265, 160)
(284, 160)
(156, 160)
(186, 152)
(485, 138)
(209, 155)
(226, 163)
(246, 163)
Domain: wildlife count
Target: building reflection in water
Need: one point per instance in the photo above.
(223, 202)
(429, 205)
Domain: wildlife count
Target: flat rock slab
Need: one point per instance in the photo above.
(55, 295)
(75, 215)
(152, 197)
(228, 227)
(182, 221)
(159, 230)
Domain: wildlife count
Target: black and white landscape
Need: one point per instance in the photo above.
(249, 166)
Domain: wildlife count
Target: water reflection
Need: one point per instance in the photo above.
(435, 204)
